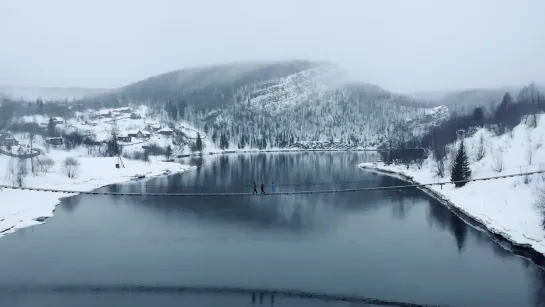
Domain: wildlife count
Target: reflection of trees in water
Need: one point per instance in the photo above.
(538, 286)
(69, 204)
(446, 219)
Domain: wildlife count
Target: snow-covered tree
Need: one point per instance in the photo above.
(168, 152)
(71, 167)
(51, 127)
(198, 143)
(461, 172)
(224, 142)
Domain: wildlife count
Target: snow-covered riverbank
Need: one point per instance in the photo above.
(20, 208)
(506, 207)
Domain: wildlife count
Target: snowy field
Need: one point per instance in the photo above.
(20, 209)
(506, 206)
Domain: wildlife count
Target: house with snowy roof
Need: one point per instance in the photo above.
(166, 131)
(139, 134)
(7, 139)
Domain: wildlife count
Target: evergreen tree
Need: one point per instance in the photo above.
(224, 142)
(168, 152)
(40, 105)
(460, 170)
(172, 110)
(51, 127)
(182, 105)
(198, 143)
(214, 136)
(242, 142)
(478, 116)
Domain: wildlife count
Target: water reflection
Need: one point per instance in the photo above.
(348, 236)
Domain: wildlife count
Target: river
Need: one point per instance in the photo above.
(398, 245)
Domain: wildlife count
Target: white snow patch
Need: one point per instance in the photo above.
(20, 208)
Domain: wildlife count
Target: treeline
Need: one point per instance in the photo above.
(507, 115)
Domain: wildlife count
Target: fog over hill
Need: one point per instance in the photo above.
(280, 102)
(48, 93)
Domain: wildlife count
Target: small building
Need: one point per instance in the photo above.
(166, 131)
(7, 139)
(90, 142)
(155, 127)
(139, 134)
(103, 114)
(124, 138)
(146, 134)
(54, 141)
(58, 120)
(133, 133)
(124, 110)
(136, 116)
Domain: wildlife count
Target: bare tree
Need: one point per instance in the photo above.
(47, 164)
(31, 140)
(540, 203)
(146, 156)
(451, 156)
(440, 168)
(529, 153)
(480, 151)
(497, 160)
(22, 172)
(71, 167)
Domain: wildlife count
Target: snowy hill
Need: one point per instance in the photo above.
(276, 104)
(48, 93)
(507, 207)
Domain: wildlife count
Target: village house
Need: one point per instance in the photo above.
(58, 120)
(124, 138)
(7, 139)
(139, 134)
(155, 126)
(124, 110)
(54, 141)
(135, 116)
(166, 131)
(101, 114)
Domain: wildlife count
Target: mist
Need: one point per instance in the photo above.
(404, 46)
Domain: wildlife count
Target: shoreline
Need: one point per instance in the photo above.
(519, 249)
(272, 150)
(25, 208)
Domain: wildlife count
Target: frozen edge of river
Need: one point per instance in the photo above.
(24, 208)
(519, 249)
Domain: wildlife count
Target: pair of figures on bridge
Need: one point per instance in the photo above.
(263, 188)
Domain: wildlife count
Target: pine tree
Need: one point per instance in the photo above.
(198, 143)
(242, 142)
(224, 142)
(214, 137)
(51, 127)
(168, 152)
(460, 170)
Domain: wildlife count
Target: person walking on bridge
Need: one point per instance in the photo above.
(255, 189)
(272, 187)
(262, 188)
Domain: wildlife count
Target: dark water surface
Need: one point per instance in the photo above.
(391, 245)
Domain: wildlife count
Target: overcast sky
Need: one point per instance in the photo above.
(405, 46)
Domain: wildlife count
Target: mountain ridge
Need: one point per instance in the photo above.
(275, 103)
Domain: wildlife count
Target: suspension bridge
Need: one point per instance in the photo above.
(248, 194)
(262, 293)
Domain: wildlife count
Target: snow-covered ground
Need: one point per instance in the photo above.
(19, 208)
(506, 206)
